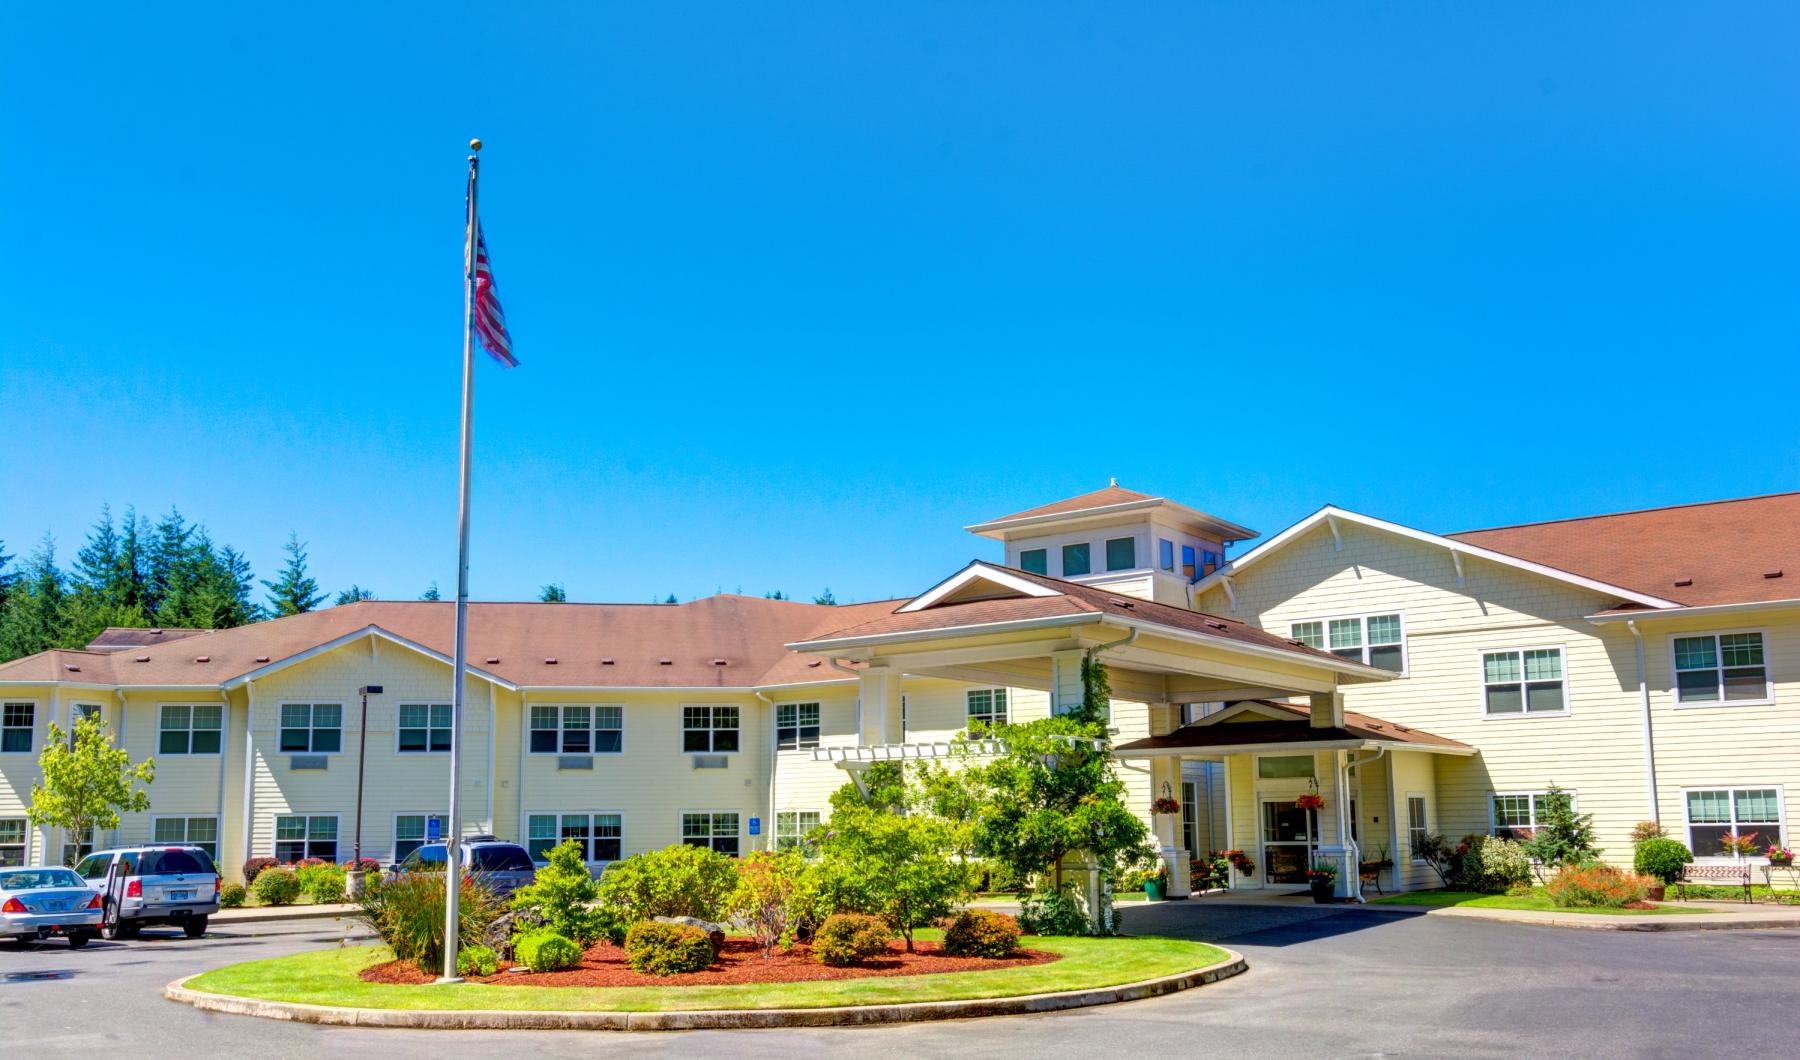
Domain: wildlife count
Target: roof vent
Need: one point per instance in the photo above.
(1216, 624)
(72, 668)
(665, 662)
(143, 658)
(718, 662)
(1683, 582)
(814, 664)
(492, 659)
(1297, 643)
(203, 658)
(156, 631)
(606, 662)
(1120, 603)
(262, 658)
(1776, 573)
(550, 661)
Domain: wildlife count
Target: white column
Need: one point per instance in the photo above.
(1065, 681)
(880, 690)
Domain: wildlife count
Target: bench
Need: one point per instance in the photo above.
(1729, 875)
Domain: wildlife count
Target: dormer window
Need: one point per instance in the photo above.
(1121, 553)
(1035, 561)
(1165, 555)
(1075, 560)
(1187, 563)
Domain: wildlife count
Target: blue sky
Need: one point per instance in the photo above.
(801, 290)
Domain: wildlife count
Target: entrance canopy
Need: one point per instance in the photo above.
(1262, 727)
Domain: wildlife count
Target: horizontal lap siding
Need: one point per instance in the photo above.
(186, 785)
(802, 784)
(18, 772)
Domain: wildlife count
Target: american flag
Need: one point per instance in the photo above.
(490, 319)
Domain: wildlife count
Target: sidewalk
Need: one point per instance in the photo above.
(1722, 916)
(254, 914)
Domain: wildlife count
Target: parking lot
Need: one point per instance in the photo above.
(1323, 982)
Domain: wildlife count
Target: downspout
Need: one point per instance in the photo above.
(249, 767)
(774, 763)
(1356, 888)
(1649, 739)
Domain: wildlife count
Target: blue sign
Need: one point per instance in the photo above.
(434, 829)
(756, 826)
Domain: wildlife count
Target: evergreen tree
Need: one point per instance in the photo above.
(294, 592)
(34, 618)
(353, 595)
(671, 599)
(776, 594)
(826, 598)
(6, 576)
(168, 567)
(431, 592)
(553, 593)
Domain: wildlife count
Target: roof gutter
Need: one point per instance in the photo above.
(1700, 611)
(840, 644)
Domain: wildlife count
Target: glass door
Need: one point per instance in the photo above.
(1288, 836)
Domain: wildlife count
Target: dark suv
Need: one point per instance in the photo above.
(503, 867)
(153, 885)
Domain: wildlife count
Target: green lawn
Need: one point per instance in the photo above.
(329, 977)
(1537, 901)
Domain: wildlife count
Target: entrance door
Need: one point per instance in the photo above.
(1288, 833)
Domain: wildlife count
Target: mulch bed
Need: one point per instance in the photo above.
(740, 961)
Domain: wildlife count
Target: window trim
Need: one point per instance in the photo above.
(1533, 794)
(1768, 697)
(1256, 761)
(1362, 619)
(428, 705)
(798, 836)
(1425, 802)
(682, 730)
(343, 729)
(997, 691)
(559, 815)
(24, 843)
(187, 820)
(161, 708)
(593, 715)
(1106, 547)
(1044, 552)
(275, 830)
(394, 855)
(799, 724)
(1481, 682)
(1781, 818)
(1062, 556)
(681, 828)
(37, 719)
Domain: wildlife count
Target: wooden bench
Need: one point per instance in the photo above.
(1729, 875)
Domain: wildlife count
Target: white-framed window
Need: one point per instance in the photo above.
(312, 728)
(577, 730)
(1376, 640)
(192, 730)
(718, 831)
(986, 707)
(1035, 561)
(202, 832)
(411, 831)
(301, 836)
(1284, 767)
(797, 725)
(422, 728)
(75, 848)
(1721, 668)
(1165, 555)
(1515, 814)
(81, 712)
(1190, 817)
(601, 835)
(709, 729)
(1076, 560)
(18, 723)
(1121, 553)
(1524, 681)
(792, 827)
(12, 841)
(1417, 827)
(1716, 813)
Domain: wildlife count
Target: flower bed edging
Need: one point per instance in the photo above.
(721, 1019)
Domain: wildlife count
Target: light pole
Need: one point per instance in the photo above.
(362, 755)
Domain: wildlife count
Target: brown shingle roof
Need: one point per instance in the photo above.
(1101, 498)
(1720, 552)
(1072, 598)
(1356, 728)
(118, 638)
(748, 633)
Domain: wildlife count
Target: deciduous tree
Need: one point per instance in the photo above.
(88, 782)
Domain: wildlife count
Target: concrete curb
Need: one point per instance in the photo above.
(261, 914)
(721, 1019)
(1602, 922)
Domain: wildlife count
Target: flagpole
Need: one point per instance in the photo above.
(459, 675)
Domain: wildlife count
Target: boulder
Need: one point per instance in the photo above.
(715, 932)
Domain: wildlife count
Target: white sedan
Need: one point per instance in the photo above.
(39, 901)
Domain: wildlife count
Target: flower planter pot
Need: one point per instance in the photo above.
(1655, 892)
(1781, 863)
(1154, 890)
(1323, 891)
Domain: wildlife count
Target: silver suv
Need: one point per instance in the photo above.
(152, 885)
(503, 867)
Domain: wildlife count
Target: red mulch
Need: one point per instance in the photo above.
(740, 961)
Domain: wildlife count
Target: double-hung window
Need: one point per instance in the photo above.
(719, 831)
(1517, 813)
(202, 832)
(190, 730)
(600, 835)
(709, 729)
(1165, 555)
(411, 830)
(1721, 668)
(1747, 813)
(82, 712)
(1417, 826)
(424, 728)
(577, 730)
(1524, 681)
(987, 707)
(311, 728)
(12, 841)
(1377, 640)
(298, 837)
(792, 827)
(17, 722)
(796, 726)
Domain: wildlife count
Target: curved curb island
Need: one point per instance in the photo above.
(717, 1019)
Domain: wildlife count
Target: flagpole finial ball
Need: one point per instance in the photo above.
(474, 145)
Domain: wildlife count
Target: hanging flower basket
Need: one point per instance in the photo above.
(1312, 800)
(1165, 805)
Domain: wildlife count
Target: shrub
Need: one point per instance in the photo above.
(546, 951)
(408, 914)
(276, 886)
(1052, 913)
(1648, 830)
(561, 895)
(1589, 886)
(1562, 836)
(1502, 863)
(766, 895)
(900, 866)
(655, 948)
(322, 881)
(981, 933)
(254, 866)
(674, 881)
(851, 938)
(995, 876)
(232, 895)
(476, 960)
(1662, 858)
